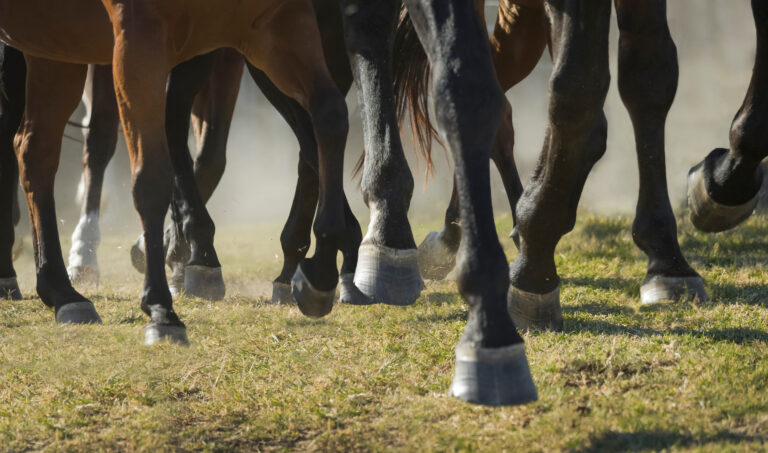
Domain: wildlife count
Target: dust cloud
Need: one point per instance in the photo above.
(716, 46)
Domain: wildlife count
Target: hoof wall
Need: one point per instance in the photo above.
(709, 216)
(312, 302)
(137, 255)
(155, 333)
(493, 377)
(83, 275)
(77, 313)
(530, 311)
(204, 282)
(388, 275)
(9, 289)
(672, 289)
(281, 294)
(349, 293)
(436, 259)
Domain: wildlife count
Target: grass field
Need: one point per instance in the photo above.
(258, 377)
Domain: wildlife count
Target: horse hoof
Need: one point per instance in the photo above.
(155, 333)
(83, 275)
(349, 293)
(281, 294)
(515, 236)
(672, 289)
(204, 282)
(176, 282)
(530, 311)
(312, 302)
(9, 289)
(708, 215)
(493, 376)
(77, 313)
(388, 275)
(137, 255)
(436, 259)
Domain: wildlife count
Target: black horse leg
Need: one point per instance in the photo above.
(723, 189)
(100, 143)
(194, 255)
(13, 72)
(575, 141)
(491, 366)
(387, 268)
(648, 74)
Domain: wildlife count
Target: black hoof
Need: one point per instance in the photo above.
(312, 302)
(436, 259)
(281, 294)
(349, 293)
(155, 333)
(493, 376)
(389, 276)
(137, 255)
(530, 311)
(83, 275)
(77, 313)
(707, 214)
(9, 289)
(672, 289)
(204, 282)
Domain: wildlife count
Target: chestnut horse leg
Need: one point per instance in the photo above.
(100, 143)
(387, 268)
(297, 67)
(491, 366)
(191, 254)
(141, 69)
(575, 141)
(11, 111)
(648, 75)
(518, 41)
(723, 189)
(53, 93)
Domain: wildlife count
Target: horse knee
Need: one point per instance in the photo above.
(577, 95)
(152, 188)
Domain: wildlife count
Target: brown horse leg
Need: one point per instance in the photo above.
(387, 268)
(140, 67)
(11, 111)
(53, 93)
(723, 189)
(491, 365)
(100, 143)
(297, 67)
(648, 75)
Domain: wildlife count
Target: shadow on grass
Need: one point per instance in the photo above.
(598, 308)
(750, 294)
(657, 440)
(440, 298)
(628, 287)
(738, 335)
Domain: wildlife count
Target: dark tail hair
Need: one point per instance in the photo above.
(411, 74)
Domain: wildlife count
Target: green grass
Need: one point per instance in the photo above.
(258, 377)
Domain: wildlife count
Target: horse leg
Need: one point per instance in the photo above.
(491, 366)
(297, 67)
(648, 74)
(53, 93)
(11, 111)
(100, 143)
(191, 253)
(212, 114)
(140, 66)
(723, 189)
(387, 269)
(575, 141)
(517, 43)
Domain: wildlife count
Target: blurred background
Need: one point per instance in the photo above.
(716, 47)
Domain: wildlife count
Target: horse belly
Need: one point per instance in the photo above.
(75, 31)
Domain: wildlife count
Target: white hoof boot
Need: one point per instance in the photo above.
(349, 293)
(77, 313)
(531, 311)
(389, 276)
(312, 302)
(709, 216)
(204, 282)
(672, 289)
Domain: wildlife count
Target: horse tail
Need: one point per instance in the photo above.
(410, 74)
